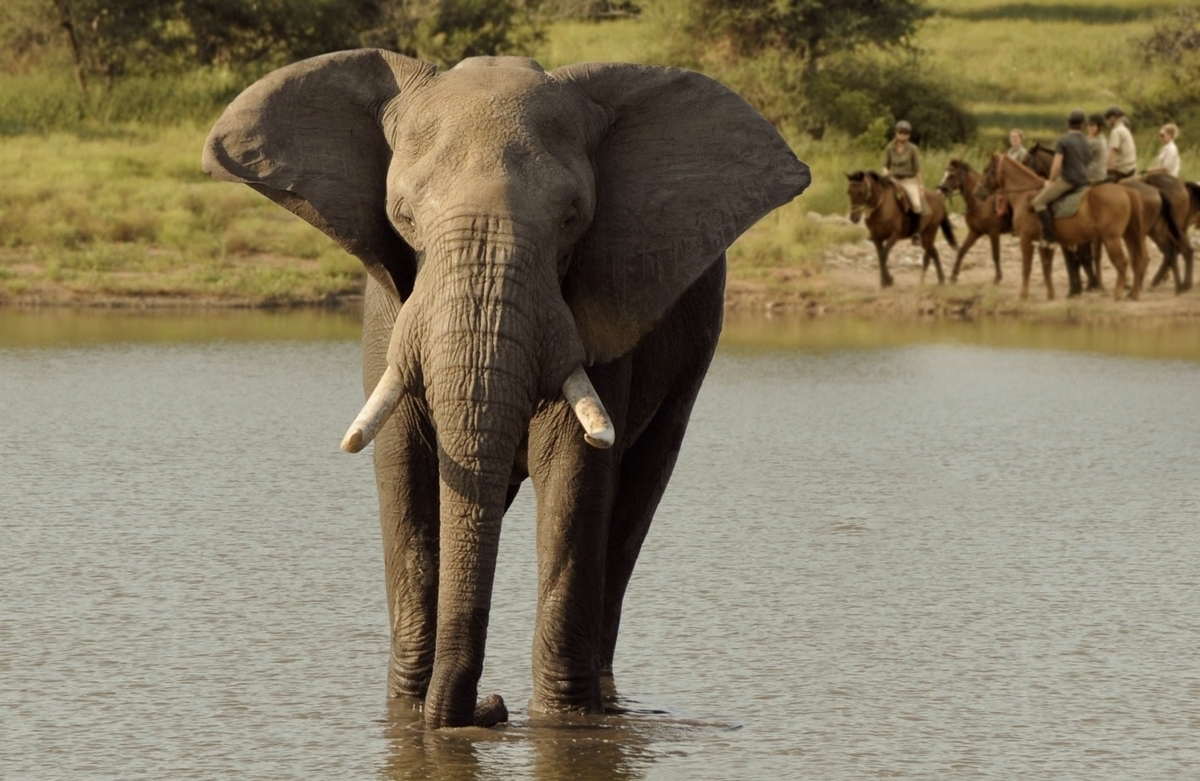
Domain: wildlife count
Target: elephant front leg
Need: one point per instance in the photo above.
(573, 483)
(645, 471)
(406, 477)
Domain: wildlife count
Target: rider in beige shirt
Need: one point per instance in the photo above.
(1122, 154)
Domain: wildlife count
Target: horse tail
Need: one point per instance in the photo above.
(1168, 215)
(1194, 194)
(948, 231)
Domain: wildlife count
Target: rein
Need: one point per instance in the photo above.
(871, 203)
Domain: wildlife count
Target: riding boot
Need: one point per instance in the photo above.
(914, 227)
(1047, 219)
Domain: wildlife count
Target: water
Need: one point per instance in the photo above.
(888, 551)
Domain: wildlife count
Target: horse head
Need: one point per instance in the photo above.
(1039, 159)
(955, 177)
(863, 191)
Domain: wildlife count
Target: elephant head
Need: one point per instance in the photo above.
(528, 224)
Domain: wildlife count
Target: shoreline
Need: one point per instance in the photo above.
(845, 284)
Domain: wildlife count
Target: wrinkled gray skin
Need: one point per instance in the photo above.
(516, 224)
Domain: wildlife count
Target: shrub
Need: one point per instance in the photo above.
(865, 97)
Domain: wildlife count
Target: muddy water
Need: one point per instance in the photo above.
(921, 552)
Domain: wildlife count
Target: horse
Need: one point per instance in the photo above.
(982, 215)
(1108, 212)
(875, 197)
(1181, 199)
(1166, 209)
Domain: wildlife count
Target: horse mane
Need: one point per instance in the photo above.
(858, 176)
(1021, 165)
(963, 164)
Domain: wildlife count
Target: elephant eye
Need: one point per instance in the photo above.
(570, 218)
(403, 214)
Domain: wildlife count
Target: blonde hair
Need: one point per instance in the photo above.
(1019, 132)
(1171, 129)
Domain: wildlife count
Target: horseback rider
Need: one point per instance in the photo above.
(1068, 171)
(902, 162)
(1122, 154)
(1016, 146)
(1167, 161)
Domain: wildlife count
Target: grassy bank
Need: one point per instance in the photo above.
(105, 201)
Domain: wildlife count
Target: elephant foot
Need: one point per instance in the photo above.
(887, 282)
(490, 711)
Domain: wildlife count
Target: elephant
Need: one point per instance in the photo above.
(544, 250)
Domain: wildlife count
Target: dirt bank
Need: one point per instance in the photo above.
(846, 282)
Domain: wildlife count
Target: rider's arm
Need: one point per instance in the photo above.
(1055, 167)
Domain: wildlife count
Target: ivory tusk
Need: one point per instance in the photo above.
(597, 427)
(375, 412)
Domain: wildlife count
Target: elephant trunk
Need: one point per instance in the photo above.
(494, 338)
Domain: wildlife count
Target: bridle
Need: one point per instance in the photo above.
(870, 203)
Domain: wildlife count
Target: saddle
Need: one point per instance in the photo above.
(1068, 205)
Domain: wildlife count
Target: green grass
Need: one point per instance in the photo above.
(132, 214)
(102, 195)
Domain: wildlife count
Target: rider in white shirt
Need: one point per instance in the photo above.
(1167, 161)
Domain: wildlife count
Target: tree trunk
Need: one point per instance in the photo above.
(67, 23)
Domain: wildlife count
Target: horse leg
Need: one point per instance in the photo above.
(1120, 262)
(1138, 261)
(994, 237)
(882, 249)
(1160, 276)
(931, 252)
(1047, 255)
(1026, 264)
(1092, 267)
(972, 237)
(1170, 259)
(1188, 253)
(1072, 259)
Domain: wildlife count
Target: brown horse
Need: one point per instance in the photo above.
(982, 215)
(1167, 206)
(875, 197)
(1108, 212)
(1182, 201)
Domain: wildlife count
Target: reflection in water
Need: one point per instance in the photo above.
(1152, 339)
(66, 327)
(611, 747)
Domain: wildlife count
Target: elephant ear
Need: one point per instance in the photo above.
(684, 168)
(308, 136)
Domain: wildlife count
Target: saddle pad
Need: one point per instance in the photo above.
(1067, 205)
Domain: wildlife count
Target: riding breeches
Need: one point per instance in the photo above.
(912, 188)
(1056, 189)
